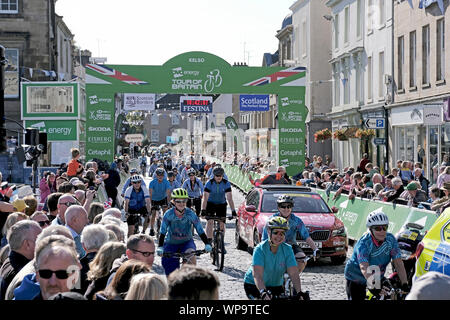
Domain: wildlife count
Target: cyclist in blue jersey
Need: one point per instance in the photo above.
(371, 255)
(128, 182)
(184, 172)
(153, 167)
(216, 194)
(285, 204)
(143, 163)
(177, 175)
(160, 166)
(174, 184)
(194, 188)
(210, 175)
(271, 259)
(177, 224)
(137, 202)
(159, 190)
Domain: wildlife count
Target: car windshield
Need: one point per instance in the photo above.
(303, 202)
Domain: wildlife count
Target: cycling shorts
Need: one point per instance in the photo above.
(160, 203)
(216, 210)
(296, 248)
(171, 264)
(135, 215)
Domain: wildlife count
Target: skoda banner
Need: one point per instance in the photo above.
(99, 126)
(291, 123)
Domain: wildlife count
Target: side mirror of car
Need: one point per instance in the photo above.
(250, 208)
(334, 209)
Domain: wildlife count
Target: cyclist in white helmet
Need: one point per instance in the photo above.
(371, 255)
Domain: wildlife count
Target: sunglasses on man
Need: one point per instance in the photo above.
(285, 206)
(47, 274)
(68, 203)
(44, 223)
(276, 233)
(181, 201)
(136, 182)
(380, 228)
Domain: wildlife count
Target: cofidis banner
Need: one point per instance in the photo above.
(253, 102)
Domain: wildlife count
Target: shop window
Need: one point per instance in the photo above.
(9, 6)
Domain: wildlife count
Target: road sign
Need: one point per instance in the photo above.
(379, 141)
(136, 137)
(374, 123)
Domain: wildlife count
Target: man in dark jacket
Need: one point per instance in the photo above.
(362, 164)
(424, 183)
(397, 184)
(112, 181)
(21, 238)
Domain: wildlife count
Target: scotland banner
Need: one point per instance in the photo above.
(254, 102)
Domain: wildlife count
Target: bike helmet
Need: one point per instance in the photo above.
(190, 171)
(159, 172)
(179, 193)
(132, 171)
(377, 218)
(136, 178)
(285, 199)
(218, 171)
(277, 223)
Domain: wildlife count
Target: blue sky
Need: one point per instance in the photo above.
(149, 32)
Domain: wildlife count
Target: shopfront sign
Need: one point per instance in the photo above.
(432, 115)
(134, 137)
(407, 115)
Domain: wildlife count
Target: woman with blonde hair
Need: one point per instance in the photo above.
(148, 286)
(101, 265)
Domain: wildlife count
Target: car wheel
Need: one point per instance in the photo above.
(338, 259)
(240, 244)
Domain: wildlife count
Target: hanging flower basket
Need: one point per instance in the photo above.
(339, 134)
(322, 135)
(365, 134)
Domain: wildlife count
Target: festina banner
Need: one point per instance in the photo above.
(196, 104)
(139, 101)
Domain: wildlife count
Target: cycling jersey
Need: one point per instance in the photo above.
(152, 169)
(217, 191)
(137, 199)
(295, 225)
(128, 184)
(366, 250)
(195, 192)
(179, 230)
(174, 184)
(159, 189)
(275, 265)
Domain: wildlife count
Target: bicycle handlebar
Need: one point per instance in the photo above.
(183, 254)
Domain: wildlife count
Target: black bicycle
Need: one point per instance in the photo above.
(218, 245)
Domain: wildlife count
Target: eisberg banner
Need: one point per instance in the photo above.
(254, 102)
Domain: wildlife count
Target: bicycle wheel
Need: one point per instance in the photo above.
(214, 252)
(220, 257)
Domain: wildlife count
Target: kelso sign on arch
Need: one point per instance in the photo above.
(197, 73)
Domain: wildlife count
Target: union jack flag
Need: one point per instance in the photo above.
(276, 76)
(115, 74)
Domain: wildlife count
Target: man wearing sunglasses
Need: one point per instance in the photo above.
(137, 203)
(64, 202)
(371, 255)
(41, 218)
(194, 188)
(285, 204)
(177, 225)
(57, 269)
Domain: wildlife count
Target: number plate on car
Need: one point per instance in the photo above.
(303, 244)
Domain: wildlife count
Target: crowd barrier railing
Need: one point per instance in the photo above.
(353, 213)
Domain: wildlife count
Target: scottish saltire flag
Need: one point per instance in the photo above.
(276, 76)
(115, 74)
(426, 3)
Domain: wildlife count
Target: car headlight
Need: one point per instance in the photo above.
(340, 232)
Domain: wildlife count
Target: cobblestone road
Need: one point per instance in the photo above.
(324, 280)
